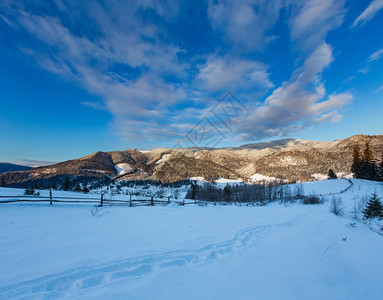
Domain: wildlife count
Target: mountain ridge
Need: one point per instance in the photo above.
(7, 167)
(289, 159)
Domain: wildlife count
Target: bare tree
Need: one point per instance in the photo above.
(97, 211)
(299, 190)
(336, 206)
(358, 206)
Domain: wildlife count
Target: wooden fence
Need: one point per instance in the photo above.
(101, 201)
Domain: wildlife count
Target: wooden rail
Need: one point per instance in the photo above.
(102, 201)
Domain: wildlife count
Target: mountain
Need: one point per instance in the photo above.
(8, 167)
(289, 159)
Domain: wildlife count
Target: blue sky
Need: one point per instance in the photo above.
(81, 76)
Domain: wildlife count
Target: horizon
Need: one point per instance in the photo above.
(36, 164)
(120, 75)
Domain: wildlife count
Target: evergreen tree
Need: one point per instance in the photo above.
(227, 192)
(374, 208)
(85, 188)
(2, 181)
(368, 165)
(356, 166)
(332, 175)
(381, 168)
(77, 188)
(194, 188)
(67, 186)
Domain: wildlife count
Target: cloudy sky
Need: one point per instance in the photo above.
(82, 76)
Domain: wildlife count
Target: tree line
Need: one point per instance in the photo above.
(259, 194)
(365, 165)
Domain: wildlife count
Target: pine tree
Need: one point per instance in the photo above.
(368, 165)
(227, 192)
(85, 188)
(356, 162)
(77, 188)
(194, 188)
(2, 182)
(374, 208)
(332, 175)
(381, 168)
(67, 184)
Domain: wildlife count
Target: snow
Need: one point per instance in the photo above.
(224, 181)
(323, 187)
(45, 193)
(319, 176)
(123, 168)
(345, 175)
(221, 183)
(289, 161)
(197, 178)
(97, 171)
(191, 252)
(163, 158)
(259, 177)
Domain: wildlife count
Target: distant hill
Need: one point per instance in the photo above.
(7, 167)
(288, 159)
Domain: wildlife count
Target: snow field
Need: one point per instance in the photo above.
(191, 252)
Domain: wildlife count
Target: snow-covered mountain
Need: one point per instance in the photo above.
(288, 159)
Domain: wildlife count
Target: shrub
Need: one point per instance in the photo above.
(312, 200)
(31, 192)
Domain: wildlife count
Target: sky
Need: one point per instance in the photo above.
(83, 76)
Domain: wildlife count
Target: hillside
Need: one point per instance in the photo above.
(8, 167)
(287, 159)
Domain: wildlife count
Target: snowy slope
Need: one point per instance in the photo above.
(325, 187)
(123, 168)
(191, 252)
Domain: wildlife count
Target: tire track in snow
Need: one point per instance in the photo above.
(71, 281)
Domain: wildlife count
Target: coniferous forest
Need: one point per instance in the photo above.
(365, 165)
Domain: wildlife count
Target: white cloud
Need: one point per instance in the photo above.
(245, 23)
(130, 63)
(124, 41)
(376, 55)
(369, 13)
(365, 70)
(299, 102)
(35, 163)
(302, 100)
(227, 73)
(331, 117)
(311, 21)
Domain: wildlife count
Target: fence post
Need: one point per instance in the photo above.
(50, 196)
(102, 199)
(151, 201)
(130, 204)
(168, 199)
(183, 202)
